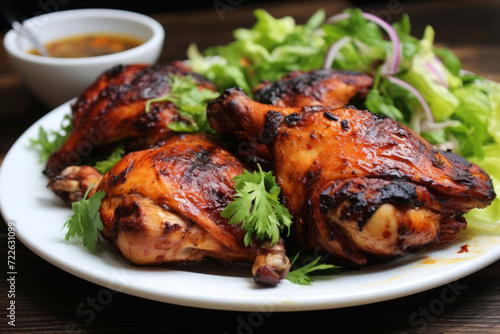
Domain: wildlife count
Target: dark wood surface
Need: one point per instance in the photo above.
(48, 299)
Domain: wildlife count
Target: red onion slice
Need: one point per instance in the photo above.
(333, 50)
(418, 95)
(391, 64)
(438, 71)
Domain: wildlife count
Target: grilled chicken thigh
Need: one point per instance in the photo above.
(332, 88)
(113, 109)
(163, 205)
(359, 185)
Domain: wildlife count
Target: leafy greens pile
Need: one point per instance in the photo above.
(427, 90)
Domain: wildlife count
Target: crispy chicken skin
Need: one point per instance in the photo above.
(360, 185)
(113, 109)
(332, 88)
(163, 205)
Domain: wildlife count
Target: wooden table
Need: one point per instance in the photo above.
(48, 299)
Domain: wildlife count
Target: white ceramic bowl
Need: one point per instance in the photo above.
(56, 80)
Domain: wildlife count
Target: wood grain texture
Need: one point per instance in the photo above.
(48, 299)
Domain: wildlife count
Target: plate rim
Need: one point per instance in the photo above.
(263, 298)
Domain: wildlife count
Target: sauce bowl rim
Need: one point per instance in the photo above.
(156, 28)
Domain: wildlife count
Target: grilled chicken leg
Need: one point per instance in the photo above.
(359, 185)
(163, 205)
(332, 88)
(113, 109)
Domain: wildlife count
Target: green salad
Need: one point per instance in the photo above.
(416, 83)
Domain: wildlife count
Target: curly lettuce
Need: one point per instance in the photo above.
(271, 49)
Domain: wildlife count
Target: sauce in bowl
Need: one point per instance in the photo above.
(90, 45)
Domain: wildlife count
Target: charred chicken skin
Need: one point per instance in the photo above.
(113, 109)
(163, 205)
(333, 88)
(359, 185)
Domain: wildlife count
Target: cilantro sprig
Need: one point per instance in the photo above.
(86, 220)
(105, 165)
(257, 207)
(190, 101)
(302, 275)
(47, 146)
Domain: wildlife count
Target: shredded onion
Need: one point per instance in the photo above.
(438, 72)
(427, 126)
(418, 95)
(391, 64)
(333, 50)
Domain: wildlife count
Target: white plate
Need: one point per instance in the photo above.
(39, 217)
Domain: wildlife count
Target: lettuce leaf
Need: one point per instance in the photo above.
(475, 113)
(271, 49)
(422, 75)
(392, 101)
(217, 70)
(488, 219)
(480, 142)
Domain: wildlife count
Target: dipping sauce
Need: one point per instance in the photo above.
(90, 45)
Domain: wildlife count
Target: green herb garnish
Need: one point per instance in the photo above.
(302, 275)
(86, 220)
(191, 103)
(48, 146)
(105, 165)
(257, 207)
